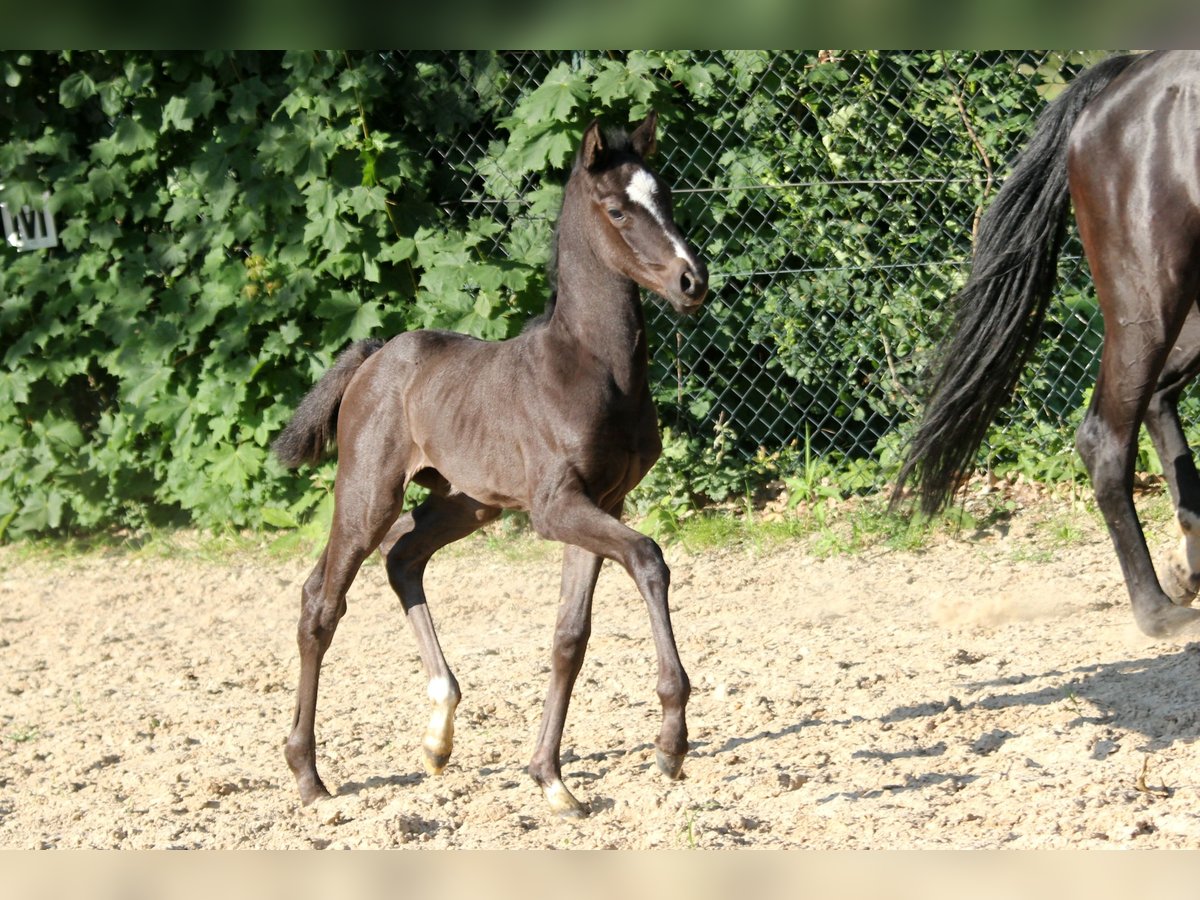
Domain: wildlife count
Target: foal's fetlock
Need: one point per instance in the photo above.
(308, 782)
(436, 748)
(439, 736)
(672, 744)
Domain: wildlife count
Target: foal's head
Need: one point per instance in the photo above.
(628, 211)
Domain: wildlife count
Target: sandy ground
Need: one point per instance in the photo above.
(986, 691)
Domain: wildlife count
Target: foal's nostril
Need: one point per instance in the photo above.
(687, 284)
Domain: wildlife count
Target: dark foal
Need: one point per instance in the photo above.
(1123, 143)
(557, 421)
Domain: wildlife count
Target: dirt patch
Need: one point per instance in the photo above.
(980, 693)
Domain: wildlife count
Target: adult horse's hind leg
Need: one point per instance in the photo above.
(1146, 284)
(414, 538)
(571, 633)
(1181, 580)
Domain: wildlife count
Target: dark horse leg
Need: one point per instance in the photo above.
(358, 525)
(571, 633)
(567, 515)
(415, 537)
(1144, 308)
(1181, 580)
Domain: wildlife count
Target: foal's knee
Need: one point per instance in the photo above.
(317, 626)
(570, 644)
(1161, 405)
(674, 687)
(647, 565)
(319, 615)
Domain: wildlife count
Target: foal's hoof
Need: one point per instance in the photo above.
(308, 782)
(670, 764)
(563, 802)
(311, 792)
(435, 762)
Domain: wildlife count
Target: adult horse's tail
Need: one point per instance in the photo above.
(313, 429)
(999, 312)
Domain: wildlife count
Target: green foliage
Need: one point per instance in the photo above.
(841, 219)
(230, 220)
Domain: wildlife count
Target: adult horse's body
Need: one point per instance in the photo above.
(557, 421)
(1124, 140)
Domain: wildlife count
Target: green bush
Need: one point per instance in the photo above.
(230, 220)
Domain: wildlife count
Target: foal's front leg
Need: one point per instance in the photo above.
(571, 633)
(567, 515)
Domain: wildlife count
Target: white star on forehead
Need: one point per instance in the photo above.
(642, 190)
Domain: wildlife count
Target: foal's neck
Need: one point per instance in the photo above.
(600, 310)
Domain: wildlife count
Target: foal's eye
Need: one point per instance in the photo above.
(615, 214)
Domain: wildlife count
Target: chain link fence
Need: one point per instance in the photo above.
(834, 195)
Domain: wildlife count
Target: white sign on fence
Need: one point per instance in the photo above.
(29, 228)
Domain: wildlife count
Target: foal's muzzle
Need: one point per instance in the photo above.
(689, 285)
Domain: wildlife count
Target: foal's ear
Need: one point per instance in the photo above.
(594, 148)
(643, 137)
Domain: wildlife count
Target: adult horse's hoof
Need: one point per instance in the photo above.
(670, 764)
(1180, 585)
(1162, 618)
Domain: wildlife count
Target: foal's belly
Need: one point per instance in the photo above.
(435, 481)
(605, 480)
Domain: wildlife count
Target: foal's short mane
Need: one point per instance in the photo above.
(618, 142)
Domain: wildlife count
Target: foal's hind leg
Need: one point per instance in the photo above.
(357, 528)
(1181, 580)
(414, 538)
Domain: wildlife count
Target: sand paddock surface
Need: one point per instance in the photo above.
(986, 690)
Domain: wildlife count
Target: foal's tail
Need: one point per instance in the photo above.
(1000, 310)
(313, 429)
